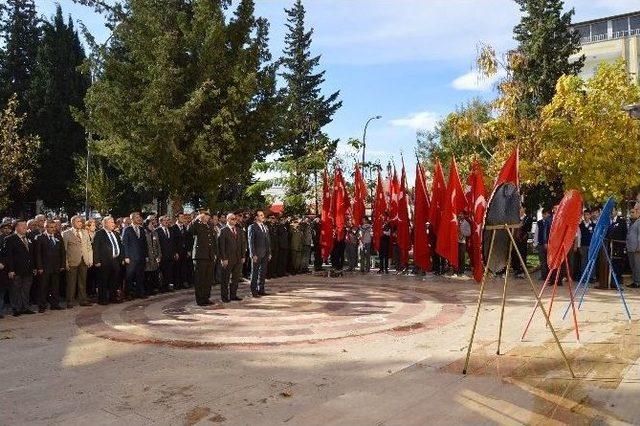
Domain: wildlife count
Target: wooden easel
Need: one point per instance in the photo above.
(512, 246)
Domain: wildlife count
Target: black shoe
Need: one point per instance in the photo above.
(633, 285)
(57, 308)
(69, 306)
(41, 310)
(256, 295)
(28, 312)
(16, 314)
(236, 298)
(1, 316)
(86, 304)
(264, 293)
(225, 300)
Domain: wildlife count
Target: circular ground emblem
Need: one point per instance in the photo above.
(296, 312)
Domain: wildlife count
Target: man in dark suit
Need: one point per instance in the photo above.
(6, 228)
(521, 237)
(134, 244)
(205, 249)
(272, 228)
(169, 256)
(107, 257)
(183, 239)
(283, 247)
(50, 261)
(232, 247)
(19, 257)
(260, 254)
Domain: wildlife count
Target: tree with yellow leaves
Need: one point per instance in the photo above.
(588, 139)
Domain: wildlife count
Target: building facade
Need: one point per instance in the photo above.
(608, 39)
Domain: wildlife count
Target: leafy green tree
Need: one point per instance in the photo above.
(186, 98)
(20, 34)
(460, 134)
(306, 148)
(57, 86)
(546, 41)
(18, 154)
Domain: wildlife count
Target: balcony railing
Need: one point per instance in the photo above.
(616, 35)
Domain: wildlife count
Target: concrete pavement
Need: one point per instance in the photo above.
(368, 350)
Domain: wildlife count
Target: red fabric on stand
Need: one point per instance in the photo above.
(421, 242)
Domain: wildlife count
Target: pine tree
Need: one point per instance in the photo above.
(308, 111)
(20, 34)
(57, 87)
(545, 43)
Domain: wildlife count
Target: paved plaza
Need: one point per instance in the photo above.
(354, 350)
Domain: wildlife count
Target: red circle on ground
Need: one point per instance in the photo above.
(564, 227)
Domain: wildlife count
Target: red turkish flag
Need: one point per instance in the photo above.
(438, 193)
(339, 204)
(379, 212)
(404, 232)
(394, 189)
(477, 209)
(326, 224)
(421, 242)
(454, 203)
(509, 172)
(359, 197)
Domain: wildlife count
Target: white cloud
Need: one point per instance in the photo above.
(417, 121)
(474, 81)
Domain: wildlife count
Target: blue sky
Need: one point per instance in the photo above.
(407, 60)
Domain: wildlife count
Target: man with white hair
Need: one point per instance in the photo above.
(633, 247)
(79, 257)
(107, 258)
(231, 248)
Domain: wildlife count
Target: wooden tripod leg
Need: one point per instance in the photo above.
(569, 285)
(535, 306)
(504, 298)
(475, 322)
(544, 312)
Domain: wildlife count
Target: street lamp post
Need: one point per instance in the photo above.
(86, 182)
(364, 136)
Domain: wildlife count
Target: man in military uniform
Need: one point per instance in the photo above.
(307, 241)
(283, 247)
(205, 249)
(232, 246)
(272, 267)
(317, 248)
(295, 247)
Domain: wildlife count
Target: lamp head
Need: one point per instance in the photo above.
(633, 110)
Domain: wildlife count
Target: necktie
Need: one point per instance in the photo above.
(53, 241)
(25, 242)
(166, 232)
(114, 245)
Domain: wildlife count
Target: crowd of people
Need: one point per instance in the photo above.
(45, 260)
(622, 240)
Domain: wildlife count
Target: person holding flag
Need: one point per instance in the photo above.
(477, 207)
(438, 190)
(454, 204)
(421, 240)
